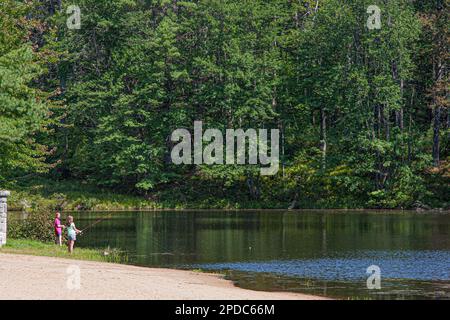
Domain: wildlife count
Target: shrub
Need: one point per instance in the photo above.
(38, 226)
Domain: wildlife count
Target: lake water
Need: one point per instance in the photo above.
(318, 252)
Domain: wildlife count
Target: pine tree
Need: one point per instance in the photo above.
(24, 110)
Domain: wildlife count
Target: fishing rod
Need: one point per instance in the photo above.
(94, 223)
(153, 238)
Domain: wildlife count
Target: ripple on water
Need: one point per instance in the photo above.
(414, 265)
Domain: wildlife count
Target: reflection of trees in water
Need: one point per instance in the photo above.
(161, 238)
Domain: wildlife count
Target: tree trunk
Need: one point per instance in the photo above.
(323, 136)
(436, 126)
(439, 72)
(448, 123)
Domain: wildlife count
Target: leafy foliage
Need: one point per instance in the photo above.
(23, 108)
(354, 105)
(38, 226)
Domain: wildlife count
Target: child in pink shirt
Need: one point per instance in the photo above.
(58, 229)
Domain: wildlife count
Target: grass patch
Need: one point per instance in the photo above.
(37, 248)
(45, 194)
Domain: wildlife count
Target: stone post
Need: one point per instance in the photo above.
(3, 212)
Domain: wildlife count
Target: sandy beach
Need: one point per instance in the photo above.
(33, 277)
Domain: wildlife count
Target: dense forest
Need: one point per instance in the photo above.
(363, 112)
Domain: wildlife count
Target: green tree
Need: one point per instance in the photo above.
(24, 111)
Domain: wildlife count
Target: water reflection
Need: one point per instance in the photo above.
(316, 245)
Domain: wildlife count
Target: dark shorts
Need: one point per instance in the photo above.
(58, 234)
(72, 237)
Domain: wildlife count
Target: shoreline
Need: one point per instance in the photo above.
(337, 210)
(47, 278)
